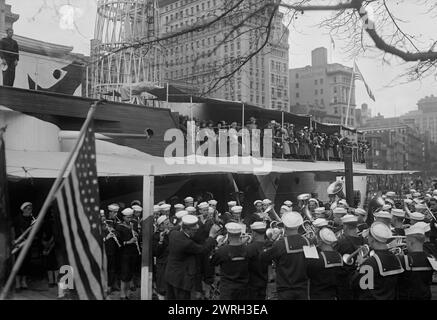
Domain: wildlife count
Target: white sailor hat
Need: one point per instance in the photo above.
(416, 194)
(360, 211)
(391, 194)
(179, 206)
(381, 232)
(203, 205)
(327, 236)
(292, 219)
(181, 214)
(211, 210)
(190, 209)
(233, 228)
(349, 218)
(386, 207)
(343, 202)
(420, 206)
(256, 202)
(314, 200)
(113, 207)
(383, 214)
(165, 207)
(413, 191)
(417, 216)
(408, 201)
(288, 203)
(189, 220)
(416, 200)
(137, 208)
(434, 193)
(398, 213)
(156, 208)
(390, 201)
(414, 229)
(286, 208)
(189, 199)
(127, 212)
(161, 220)
(212, 202)
(232, 203)
(135, 202)
(339, 210)
(426, 226)
(237, 209)
(267, 201)
(24, 205)
(319, 210)
(258, 225)
(320, 222)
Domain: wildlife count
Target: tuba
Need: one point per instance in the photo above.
(304, 209)
(310, 231)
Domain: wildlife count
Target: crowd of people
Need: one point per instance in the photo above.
(289, 142)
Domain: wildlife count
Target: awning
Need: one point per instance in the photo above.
(31, 164)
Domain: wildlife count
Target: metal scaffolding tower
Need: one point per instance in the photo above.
(121, 53)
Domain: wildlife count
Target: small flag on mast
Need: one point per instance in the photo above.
(359, 76)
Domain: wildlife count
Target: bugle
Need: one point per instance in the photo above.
(350, 259)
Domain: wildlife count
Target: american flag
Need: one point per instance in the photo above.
(78, 204)
(359, 76)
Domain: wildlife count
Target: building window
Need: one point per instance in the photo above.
(297, 85)
(321, 81)
(321, 91)
(316, 92)
(297, 94)
(297, 75)
(315, 82)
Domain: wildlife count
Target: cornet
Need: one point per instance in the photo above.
(349, 259)
(310, 231)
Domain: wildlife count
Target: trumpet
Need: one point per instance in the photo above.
(398, 246)
(349, 259)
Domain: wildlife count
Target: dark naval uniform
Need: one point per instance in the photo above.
(386, 271)
(128, 253)
(234, 271)
(113, 256)
(160, 252)
(324, 274)
(258, 272)
(291, 267)
(181, 268)
(250, 218)
(415, 282)
(347, 245)
(9, 51)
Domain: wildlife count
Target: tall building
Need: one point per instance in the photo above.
(322, 90)
(425, 118)
(197, 59)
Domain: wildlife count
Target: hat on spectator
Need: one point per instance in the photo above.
(161, 220)
(181, 214)
(292, 219)
(113, 207)
(398, 213)
(127, 212)
(189, 220)
(26, 204)
(327, 236)
(417, 216)
(380, 232)
(383, 214)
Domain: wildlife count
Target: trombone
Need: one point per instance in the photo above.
(350, 259)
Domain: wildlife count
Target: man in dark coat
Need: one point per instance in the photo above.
(9, 55)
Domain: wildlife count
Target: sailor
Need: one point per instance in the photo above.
(113, 213)
(312, 205)
(112, 249)
(284, 209)
(397, 222)
(213, 204)
(181, 269)
(250, 218)
(362, 218)
(189, 202)
(390, 195)
(234, 265)
(258, 270)
(384, 217)
(338, 213)
(164, 209)
(383, 267)
(155, 212)
(179, 207)
(320, 213)
(324, 272)
(191, 210)
(129, 252)
(289, 204)
(320, 223)
(416, 217)
(266, 203)
(178, 221)
(415, 282)
(160, 253)
(289, 258)
(347, 244)
(135, 203)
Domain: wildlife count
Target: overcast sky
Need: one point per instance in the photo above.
(43, 23)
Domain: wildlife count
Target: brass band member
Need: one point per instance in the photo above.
(338, 214)
(382, 269)
(416, 217)
(160, 252)
(112, 249)
(397, 222)
(250, 218)
(258, 270)
(287, 253)
(234, 265)
(324, 272)
(347, 244)
(415, 282)
(383, 216)
(181, 267)
(113, 213)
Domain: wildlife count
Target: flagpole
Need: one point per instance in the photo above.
(350, 96)
(47, 203)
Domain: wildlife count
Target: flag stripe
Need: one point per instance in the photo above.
(92, 249)
(71, 255)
